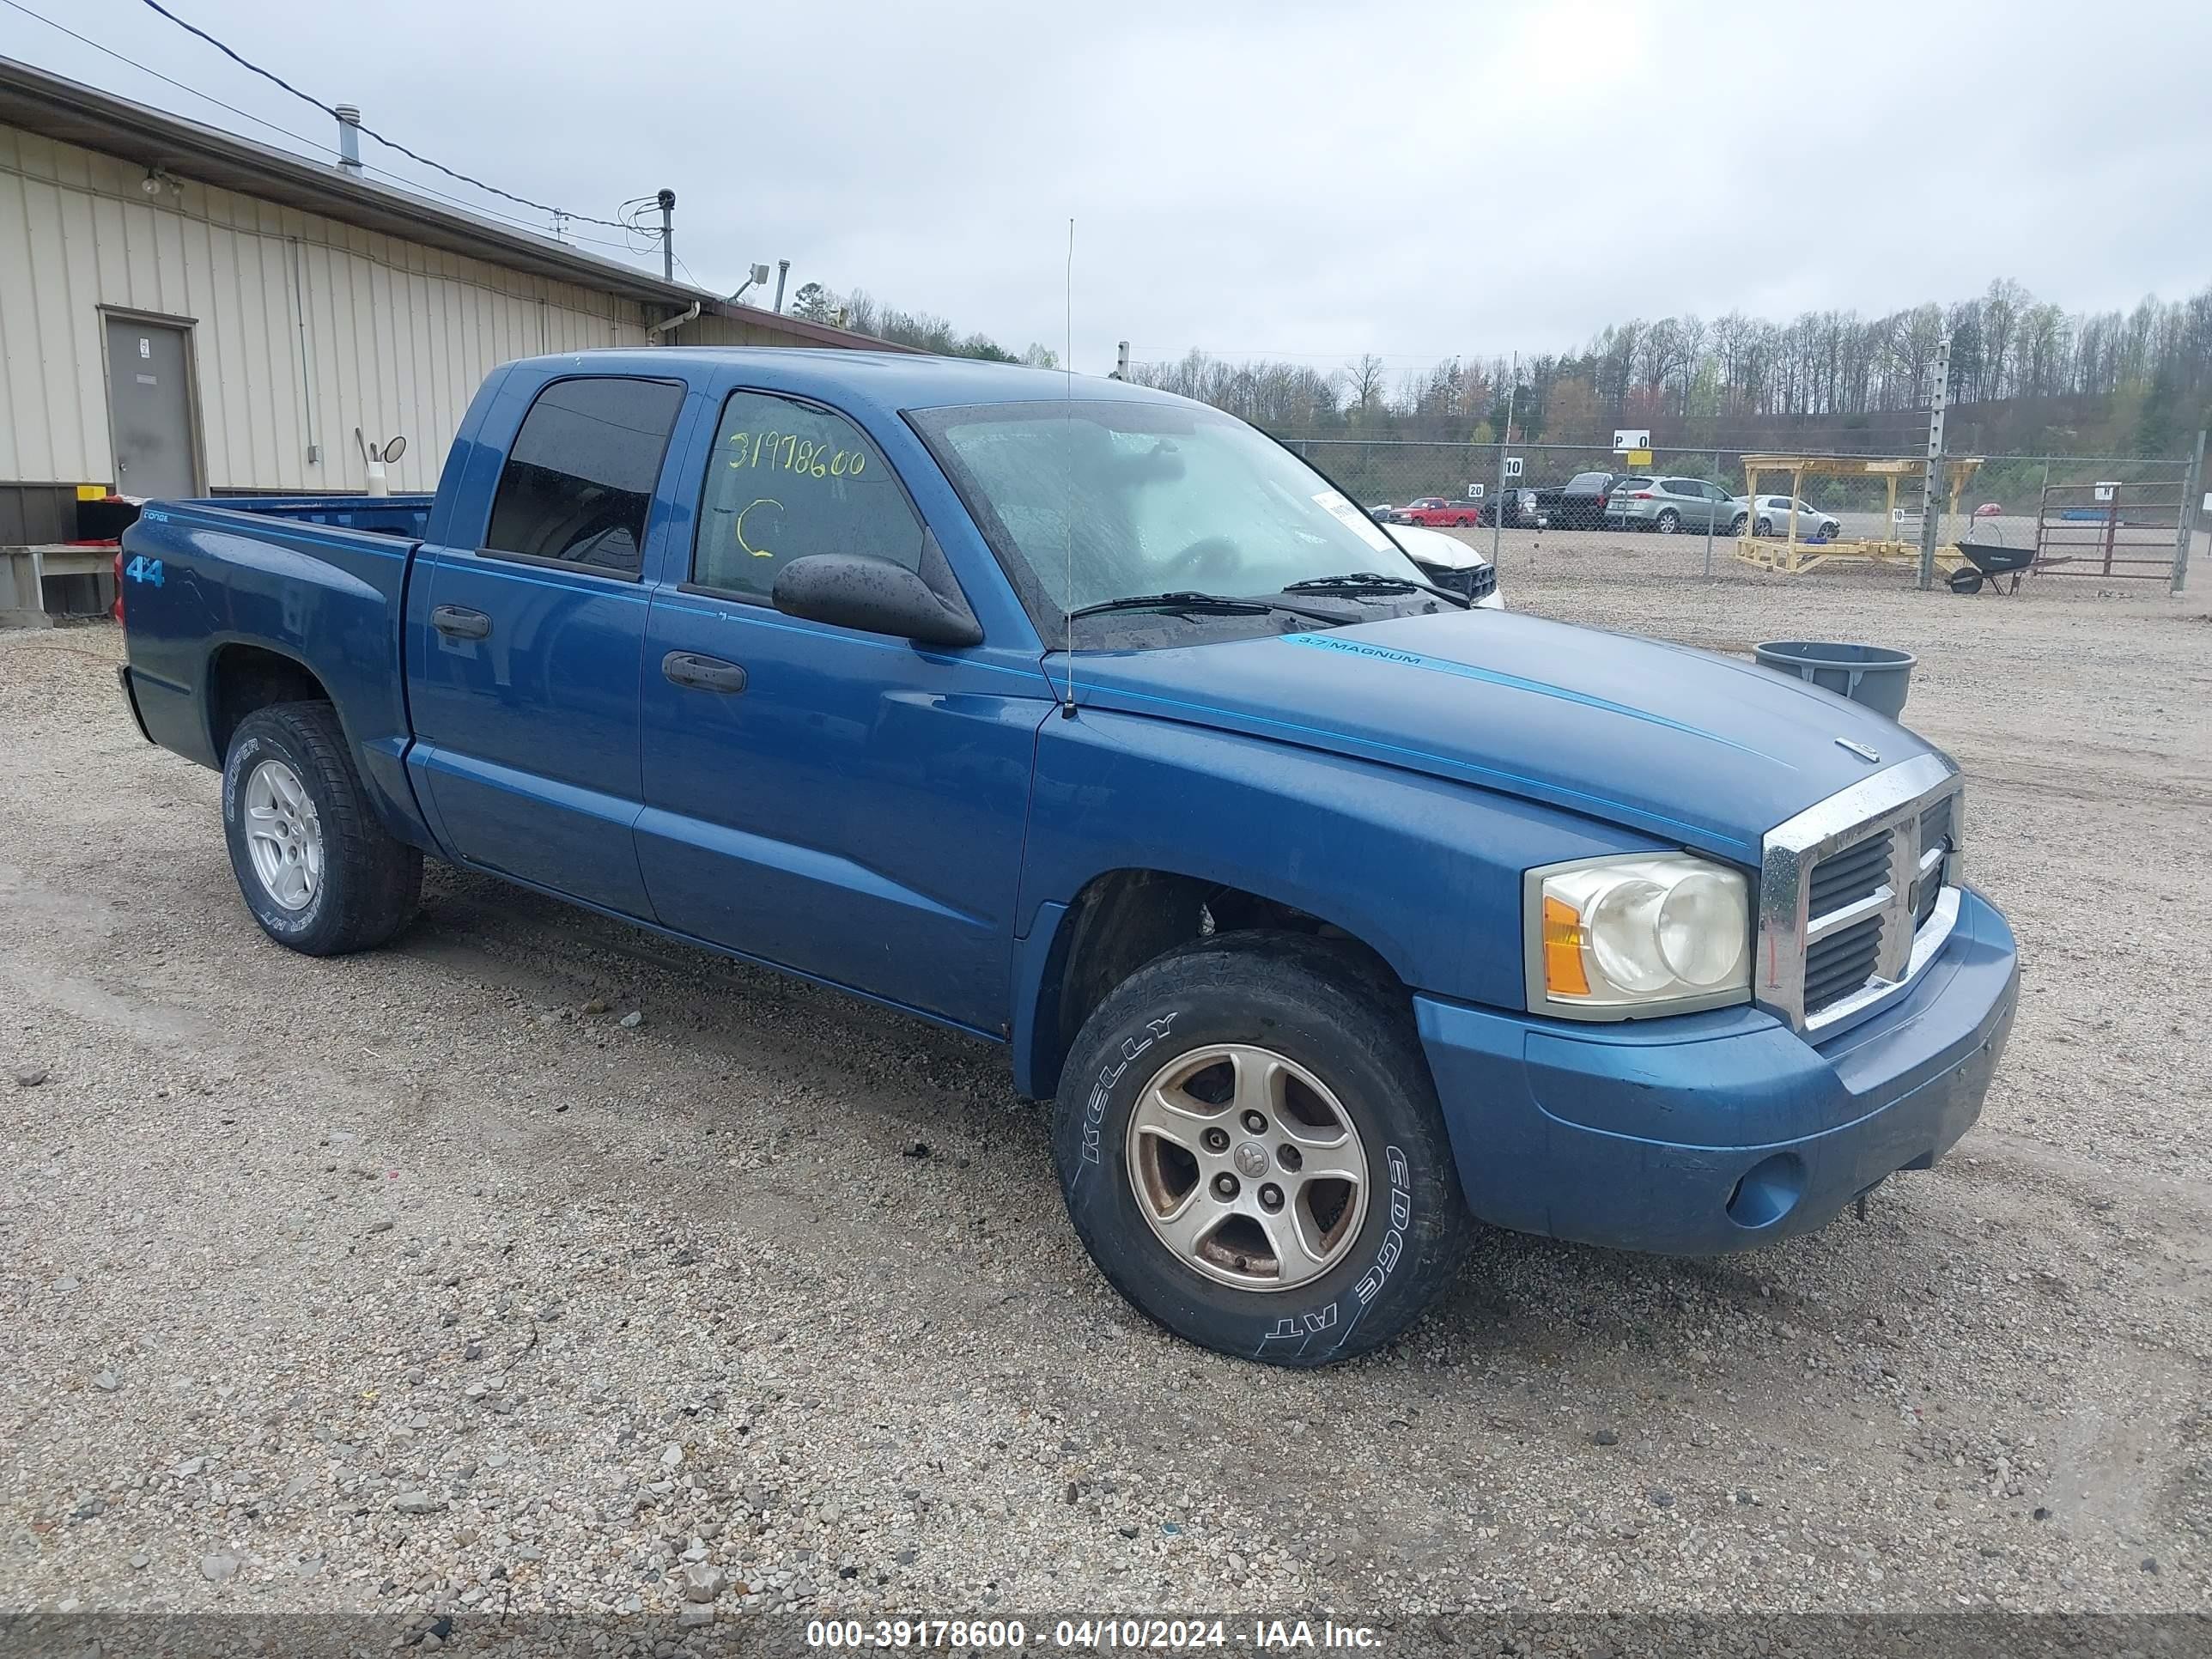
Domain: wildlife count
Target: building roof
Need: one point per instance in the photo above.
(71, 113)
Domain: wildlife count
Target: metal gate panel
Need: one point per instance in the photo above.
(2119, 531)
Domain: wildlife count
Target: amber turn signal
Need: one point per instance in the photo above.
(1564, 973)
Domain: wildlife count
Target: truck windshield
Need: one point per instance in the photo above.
(1085, 502)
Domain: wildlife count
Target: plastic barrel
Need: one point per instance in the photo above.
(1871, 674)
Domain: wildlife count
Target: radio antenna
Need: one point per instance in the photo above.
(1067, 449)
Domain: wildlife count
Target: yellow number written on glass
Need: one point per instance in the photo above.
(787, 451)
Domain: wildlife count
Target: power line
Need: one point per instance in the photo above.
(389, 143)
(414, 185)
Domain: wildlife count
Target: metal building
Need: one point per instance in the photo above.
(184, 311)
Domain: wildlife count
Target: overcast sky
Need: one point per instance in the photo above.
(1283, 178)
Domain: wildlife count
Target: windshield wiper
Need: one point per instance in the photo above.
(1218, 604)
(1376, 582)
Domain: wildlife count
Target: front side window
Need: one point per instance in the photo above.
(580, 477)
(787, 480)
(1086, 502)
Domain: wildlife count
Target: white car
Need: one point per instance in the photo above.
(1813, 525)
(1450, 562)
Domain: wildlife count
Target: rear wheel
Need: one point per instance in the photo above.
(1669, 521)
(1766, 526)
(317, 870)
(1252, 1153)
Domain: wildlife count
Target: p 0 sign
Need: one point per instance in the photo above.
(2106, 491)
(1627, 438)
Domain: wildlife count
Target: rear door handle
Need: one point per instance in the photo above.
(455, 623)
(705, 673)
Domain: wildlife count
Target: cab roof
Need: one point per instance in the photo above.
(888, 380)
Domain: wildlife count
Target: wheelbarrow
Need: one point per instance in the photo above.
(1990, 564)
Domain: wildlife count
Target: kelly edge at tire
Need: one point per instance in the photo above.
(1308, 1003)
(368, 884)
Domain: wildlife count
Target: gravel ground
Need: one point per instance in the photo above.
(432, 1279)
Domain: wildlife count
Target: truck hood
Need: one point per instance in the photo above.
(1699, 750)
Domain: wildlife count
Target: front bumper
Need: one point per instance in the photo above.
(1707, 1132)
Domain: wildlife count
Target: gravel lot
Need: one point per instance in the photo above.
(431, 1280)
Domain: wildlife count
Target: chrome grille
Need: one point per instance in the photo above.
(1842, 963)
(1858, 893)
(1845, 877)
(1937, 843)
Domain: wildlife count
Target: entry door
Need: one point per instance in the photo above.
(524, 650)
(149, 405)
(839, 802)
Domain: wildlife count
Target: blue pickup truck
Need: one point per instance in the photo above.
(1334, 912)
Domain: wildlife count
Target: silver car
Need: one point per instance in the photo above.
(1813, 525)
(1668, 505)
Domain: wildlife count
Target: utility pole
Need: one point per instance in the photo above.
(668, 235)
(782, 270)
(1931, 506)
(1505, 442)
(1121, 361)
(2189, 503)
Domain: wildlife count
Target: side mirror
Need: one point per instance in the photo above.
(876, 596)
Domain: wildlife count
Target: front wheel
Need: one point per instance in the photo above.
(1735, 525)
(317, 870)
(1252, 1151)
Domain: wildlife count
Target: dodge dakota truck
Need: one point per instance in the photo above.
(1335, 914)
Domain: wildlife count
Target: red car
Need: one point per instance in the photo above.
(1437, 512)
(1988, 510)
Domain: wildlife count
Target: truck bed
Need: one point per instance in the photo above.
(380, 516)
(255, 586)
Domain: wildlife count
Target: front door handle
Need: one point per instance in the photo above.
(705, 673)
(455, 623)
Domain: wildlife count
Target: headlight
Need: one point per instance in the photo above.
(1651, 933)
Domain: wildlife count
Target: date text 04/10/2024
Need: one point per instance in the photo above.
(1265, 1635)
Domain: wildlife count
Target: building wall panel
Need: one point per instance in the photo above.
(301, 328)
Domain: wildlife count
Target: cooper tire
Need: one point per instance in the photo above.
(1303, 1001)
(355, 886)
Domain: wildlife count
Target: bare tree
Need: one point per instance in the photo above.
(1364, 378)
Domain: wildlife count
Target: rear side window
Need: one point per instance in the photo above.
(579, 479)
(787, 480)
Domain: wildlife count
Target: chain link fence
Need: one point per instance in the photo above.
(1516, 499)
